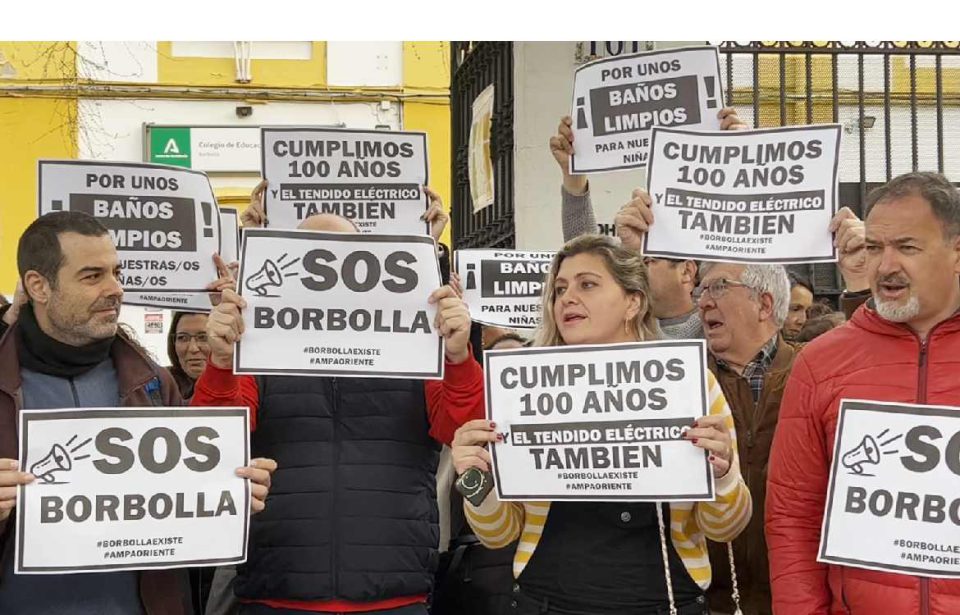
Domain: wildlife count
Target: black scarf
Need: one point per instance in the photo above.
(41, 353)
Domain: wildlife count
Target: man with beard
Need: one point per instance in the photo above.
(902, 346)
(64, 351)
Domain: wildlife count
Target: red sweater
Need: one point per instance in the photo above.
(451, 402)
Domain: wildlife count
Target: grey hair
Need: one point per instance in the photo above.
(772, 279)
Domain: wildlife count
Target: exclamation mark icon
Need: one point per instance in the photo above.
(471, 276)
(207, 210)
(711, 85)
(581, 114)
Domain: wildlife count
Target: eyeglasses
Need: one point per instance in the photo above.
(717, 288)
(184, 338)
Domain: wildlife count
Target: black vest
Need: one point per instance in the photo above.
(352, 512)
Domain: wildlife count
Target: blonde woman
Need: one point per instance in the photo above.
(580, 558)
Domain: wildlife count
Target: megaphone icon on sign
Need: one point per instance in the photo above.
(57, 460)
(866, 453)
(268, 276)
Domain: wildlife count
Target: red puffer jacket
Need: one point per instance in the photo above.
(868, 358)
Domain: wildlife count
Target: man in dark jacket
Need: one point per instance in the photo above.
(353, 522)
(65, 350)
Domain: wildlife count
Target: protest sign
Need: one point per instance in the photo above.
(599, 422)
(763, 196)
(373, 177)
(195, 302)
(618, 100)
(163, 220)
(132, 488)
(893, 503)
(338, 304)
(503, 287)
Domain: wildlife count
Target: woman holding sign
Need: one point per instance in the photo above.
(576, 558)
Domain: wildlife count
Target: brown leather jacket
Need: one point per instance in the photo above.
(755, 425)
(163, 592)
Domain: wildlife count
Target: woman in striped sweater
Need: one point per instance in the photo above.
(591, 558)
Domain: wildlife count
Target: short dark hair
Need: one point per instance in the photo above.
(505, 337)
(39, 248)
(797, 279)
(934, 188)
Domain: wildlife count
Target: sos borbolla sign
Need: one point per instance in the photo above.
(132, 488)
(618, 101)
(503, 287)
(763, 196)
(338, 304)
(893, 501)
(373, 177)
(198, 303)
(599, 422)
(163, 220)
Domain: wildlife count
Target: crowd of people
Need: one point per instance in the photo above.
(352, 477)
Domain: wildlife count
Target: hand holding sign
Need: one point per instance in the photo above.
(10, 479)
(561, 146)
(19, 300)
(227, 279)
(469, 445)
(729, 120)
(633, 220)
(711, 433)
(259, 472)
(435, 215)
(254, 216)
(224, 328)
(453, 323)
(849, 237)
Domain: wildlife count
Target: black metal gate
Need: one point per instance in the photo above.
(476, 65)
(897, 102)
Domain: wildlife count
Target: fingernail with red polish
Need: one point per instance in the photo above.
(493, 425)
(694, 440)
(712, 458)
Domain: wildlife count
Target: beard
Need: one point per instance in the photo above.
(895, 312)
(81, 327)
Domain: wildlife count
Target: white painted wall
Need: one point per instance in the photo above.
(366, 63)
(543, 92)
(126, 61)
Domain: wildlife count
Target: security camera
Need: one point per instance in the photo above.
(244, 111)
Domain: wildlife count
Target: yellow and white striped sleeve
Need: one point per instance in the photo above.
(727, 515)
(496, 524)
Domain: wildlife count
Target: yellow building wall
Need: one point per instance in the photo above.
(30, 129)
(426, 73)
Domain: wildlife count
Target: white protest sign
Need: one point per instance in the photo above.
(195, 302)
(132, 488)
(763, 196)
(618, 100)
(599, 422)
(163, 220)
(373, 177)
(338, 304)
(893, 502)
(503, 287)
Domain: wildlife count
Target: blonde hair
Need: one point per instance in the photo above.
(628, 271)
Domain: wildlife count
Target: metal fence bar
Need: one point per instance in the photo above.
(887, 145)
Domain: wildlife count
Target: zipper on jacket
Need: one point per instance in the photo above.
(335, 466)
(76, 395)
(843, 592)
(922, 399)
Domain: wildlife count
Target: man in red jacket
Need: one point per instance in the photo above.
(902, 346)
